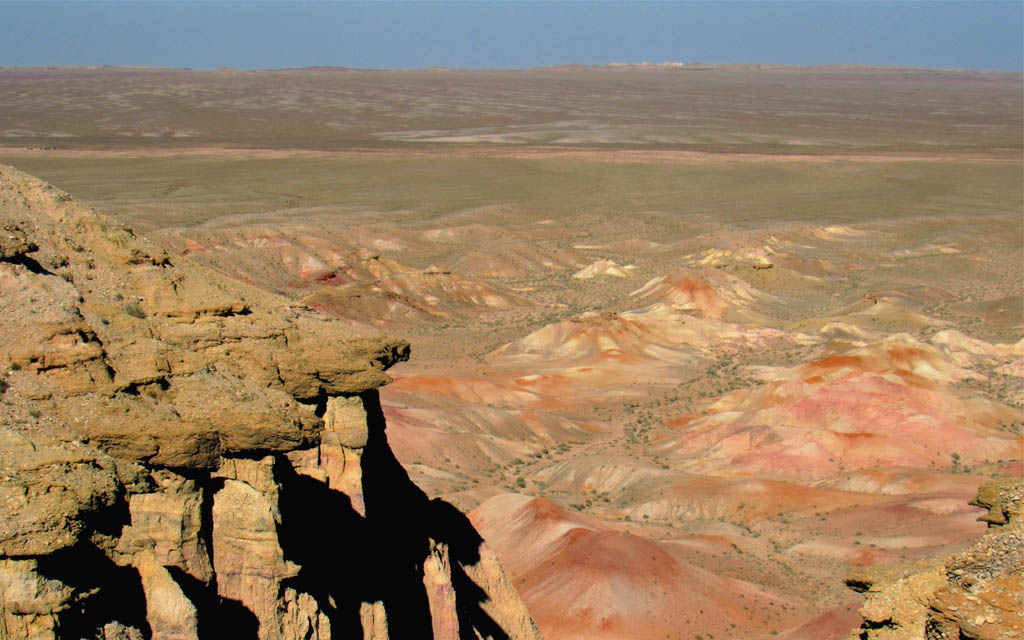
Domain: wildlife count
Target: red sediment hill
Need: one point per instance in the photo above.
(582, 578)
(888, 404)
(715, 293)
(658, 342)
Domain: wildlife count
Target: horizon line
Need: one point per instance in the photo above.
(667, 65)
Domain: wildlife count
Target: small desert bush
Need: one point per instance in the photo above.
(134, 310)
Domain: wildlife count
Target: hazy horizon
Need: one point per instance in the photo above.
(510, 34)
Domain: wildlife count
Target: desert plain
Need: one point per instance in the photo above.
(690, 344)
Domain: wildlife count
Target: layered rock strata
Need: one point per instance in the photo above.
(183, 456)
(974, 595)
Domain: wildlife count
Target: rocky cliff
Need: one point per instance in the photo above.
(974, 595)
(183, 456)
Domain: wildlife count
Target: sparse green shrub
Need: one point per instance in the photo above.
(134, 310)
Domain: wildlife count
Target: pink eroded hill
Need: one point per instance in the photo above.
(488, 251)
(834, 623)
(446, 290)
(581, 578)
(340, 277)
(888, 404)
(517, 260)
(630, 245)
(408, 298)
(441, 391)
(654, 494)
(964, 350)
(715, 293)
(280, 255)
(766, 257)
(901, 354)
(883, 313)
(657, 342)
(478, 437)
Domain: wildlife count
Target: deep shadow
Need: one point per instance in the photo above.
(217, 617)
(348, 559)
(114, 593)
(31, 264)
(323, 534)
(463, 540)
(393, 498)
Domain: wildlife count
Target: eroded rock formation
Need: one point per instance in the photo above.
(183, 456)
(974, 595)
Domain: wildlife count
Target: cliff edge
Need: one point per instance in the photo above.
(974, 595)
(184, 456)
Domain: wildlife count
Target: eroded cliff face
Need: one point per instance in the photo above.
(183, 456)
(974, 595)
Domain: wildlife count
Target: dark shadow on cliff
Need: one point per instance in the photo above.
(451, 526)
(347, 559)
(218, 617)
(113, 593)
(393, 499)
(32, 265)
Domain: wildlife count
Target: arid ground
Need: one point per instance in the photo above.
(692, 344)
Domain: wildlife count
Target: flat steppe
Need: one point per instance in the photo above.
(691, 343)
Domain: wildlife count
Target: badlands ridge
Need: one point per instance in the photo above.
(727, 353)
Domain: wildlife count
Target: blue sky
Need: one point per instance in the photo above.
(509, 33)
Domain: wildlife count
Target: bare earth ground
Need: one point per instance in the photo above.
(692, 344)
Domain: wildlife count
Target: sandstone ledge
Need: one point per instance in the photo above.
(157, 362)
(185, 456)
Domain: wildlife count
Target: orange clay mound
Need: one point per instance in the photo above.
(604, 267)
(884, 405)
(343, 276)
(657, 342)
(445, 390)
(580, 578)
(280, 256)
(711, 291)
(478, 437)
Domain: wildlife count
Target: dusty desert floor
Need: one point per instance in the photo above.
(689, 345)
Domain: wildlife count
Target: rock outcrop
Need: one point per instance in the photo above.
(184, 456)
(974, 595)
